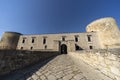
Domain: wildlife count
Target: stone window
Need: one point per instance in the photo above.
(76, 38)
(31, 48)
(45, 46)
(33, 40)
(21, 48)
(63, 38)
(89, 38)
(24, 39)
(44, 40)
(91, 47)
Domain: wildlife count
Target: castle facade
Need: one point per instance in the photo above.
(100, 34)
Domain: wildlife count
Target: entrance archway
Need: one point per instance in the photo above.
(63, 49)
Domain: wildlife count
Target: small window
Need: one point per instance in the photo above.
(33, 40)
(89, 38)
(21, 48)
(44, 40)
(45, 46)
(76, 39)
(23, 41)
(63, 38)
(91, 47)
(31, 48)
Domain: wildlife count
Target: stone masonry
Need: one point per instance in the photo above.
(107, 62)
(61, 67)
(100, 34)
(11, 60)
(84, 56)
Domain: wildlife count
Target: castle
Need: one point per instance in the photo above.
(100, 34)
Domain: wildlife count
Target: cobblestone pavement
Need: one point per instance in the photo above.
(59, 68)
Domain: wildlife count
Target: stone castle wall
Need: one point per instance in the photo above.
(9, 40)
(108, 32)
(54, 41)
(107, 62)
(104, 33)
(12, 60)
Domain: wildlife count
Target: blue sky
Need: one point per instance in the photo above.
(54, 16)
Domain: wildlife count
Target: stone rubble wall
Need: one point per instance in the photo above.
(11, 60)
(107, 62)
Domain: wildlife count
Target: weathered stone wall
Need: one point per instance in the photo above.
(107, 30)
(9, 40)
(52, 41)
(107, 62)
(11, 60)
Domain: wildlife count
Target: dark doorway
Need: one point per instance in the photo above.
(63, 49)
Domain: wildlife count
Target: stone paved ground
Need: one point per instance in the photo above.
(60, 68)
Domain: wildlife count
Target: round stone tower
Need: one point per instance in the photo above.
(107, 30)
(9, 40)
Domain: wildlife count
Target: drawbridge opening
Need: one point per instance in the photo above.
(63, 49)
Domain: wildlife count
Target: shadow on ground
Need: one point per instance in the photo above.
(23, 74)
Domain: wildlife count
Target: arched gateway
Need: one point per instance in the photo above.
(63, 49)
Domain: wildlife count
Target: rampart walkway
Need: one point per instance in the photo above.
(59, 68)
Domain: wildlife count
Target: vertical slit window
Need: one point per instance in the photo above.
(31, 48)
(33, 40)
(44, 40)
(89, 38)
(23, 41)
(76, 39)
(63, 38)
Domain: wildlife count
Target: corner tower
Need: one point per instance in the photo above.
(9, 40)
(107, 30)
